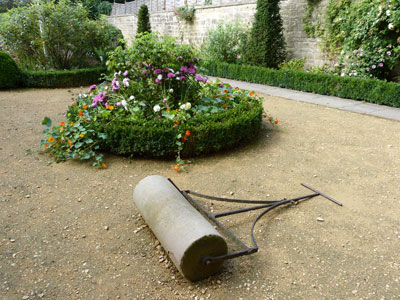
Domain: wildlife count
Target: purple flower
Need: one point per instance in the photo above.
(164, 100)
(199, 78)
(191, 70)
(184, 69)
(125, 73)
(171, 75)
(157, 71)
(144, 72)
(181, 78)
(367, 69)
(389, 53)
(159, 116)
(381, 64)
(158, 80)
(99, 98)
(221, 84)
(205, 79)
(125, 82)
(118, 103)
(92, 87)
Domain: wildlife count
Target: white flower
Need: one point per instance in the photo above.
(156, 108)
(388, 12)
(106, 87)
(84, 96)
(171, 90)
(391, 26)
(159, 77)
(183, 106)
(125, 82)
(188, 106)
(131, 97)
(124, 103)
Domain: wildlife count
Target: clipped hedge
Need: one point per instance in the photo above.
(61, 79)
(209, 133)
(370, 90)
(9, 72)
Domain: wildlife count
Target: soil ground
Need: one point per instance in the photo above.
(71, 231)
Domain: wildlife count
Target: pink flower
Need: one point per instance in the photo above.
(381, 64)
(199, 78)
(157, 71)
(118, 103)
(373, 67)
(389, 53)
(191, 70)
(92, 87)
(184, 69)
(171, 75)
(125, 73)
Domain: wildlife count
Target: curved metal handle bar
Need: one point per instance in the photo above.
(229, 199)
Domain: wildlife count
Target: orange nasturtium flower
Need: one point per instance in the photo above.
(50, 139)
(176, 169)
(81, 113)
(85, 106)
(167, 111)
(187, 132)
(252, 94)
(71, 124)
(81, 135)
(276, 121)
(110, 107)
(70, 143)
(45, 146)
(225, 91)
(104, 165)
(62, 124)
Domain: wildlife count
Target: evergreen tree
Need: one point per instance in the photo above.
(143, 20)
(267, 45)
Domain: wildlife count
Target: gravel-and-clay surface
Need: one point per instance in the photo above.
(71, 231)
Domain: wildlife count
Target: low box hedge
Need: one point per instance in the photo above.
(61, 79)
(370, 90)
(209, 133)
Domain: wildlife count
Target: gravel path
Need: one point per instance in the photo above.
(70, 231)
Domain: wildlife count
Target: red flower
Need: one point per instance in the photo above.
(188, 133)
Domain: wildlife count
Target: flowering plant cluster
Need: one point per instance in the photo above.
(169, 95)
(368, 35)
(185, 13)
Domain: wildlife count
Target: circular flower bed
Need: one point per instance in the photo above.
(154, 104)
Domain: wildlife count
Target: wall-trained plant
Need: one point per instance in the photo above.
(154, 104)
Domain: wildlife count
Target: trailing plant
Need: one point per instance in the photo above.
(185, 13)
(309, 27)
(226, 43)
(9, 72)
(365, 89)
(267, 44)
(143, 20)
(154, 105)
(365, 35)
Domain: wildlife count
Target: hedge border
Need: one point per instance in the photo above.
(370, 90)
(209, 134)
(61, 79)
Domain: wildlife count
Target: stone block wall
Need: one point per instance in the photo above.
(207, 17)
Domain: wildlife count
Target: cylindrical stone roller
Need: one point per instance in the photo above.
(183, 232)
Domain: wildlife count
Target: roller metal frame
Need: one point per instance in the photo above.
(267, 204)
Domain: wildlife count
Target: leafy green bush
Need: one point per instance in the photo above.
(185, 13)
(61, 79)
(9, 72)
(294, 64)
(226, 43)
(155, 105)
(143, 20)
(371, 90)
(365, 35)
(267, 44)
(54, 35)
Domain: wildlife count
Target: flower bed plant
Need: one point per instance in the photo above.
(154, 104)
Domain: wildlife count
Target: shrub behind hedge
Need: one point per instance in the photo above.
(61, 79)
(371, 90)
(9, 72)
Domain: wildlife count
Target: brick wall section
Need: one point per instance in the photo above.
(207, 17)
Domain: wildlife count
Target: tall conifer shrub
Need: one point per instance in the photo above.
(267, 45)
(143, 20)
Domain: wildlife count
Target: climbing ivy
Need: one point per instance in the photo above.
(309, 27)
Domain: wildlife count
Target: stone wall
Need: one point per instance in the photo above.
(207, 17)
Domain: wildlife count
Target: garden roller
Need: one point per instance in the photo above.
(182, 225)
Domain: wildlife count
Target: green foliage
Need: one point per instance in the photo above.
(185, 13)
(267, 44)
(365, 36)
(9, 72)
(61, 79)
(309, 27)
(143, 25)
(293, 65)
(155, 105)
(226, 43)
(371, 90)
(104, 8)
(54, 35)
